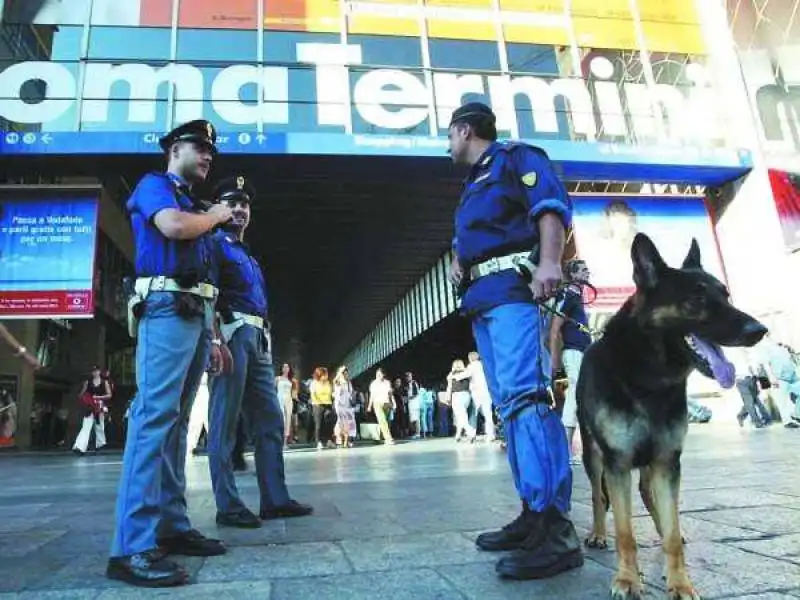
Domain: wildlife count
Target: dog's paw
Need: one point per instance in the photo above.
(684, 591)
(626, 589)
(598, 542)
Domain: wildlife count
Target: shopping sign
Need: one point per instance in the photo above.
(391, 100)
(47, 252)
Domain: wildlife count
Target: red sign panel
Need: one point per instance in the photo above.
(58, 303)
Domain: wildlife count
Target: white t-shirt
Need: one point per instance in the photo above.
(477, 379)
(380, 392)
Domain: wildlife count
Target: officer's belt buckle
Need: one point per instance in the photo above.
(250, 319)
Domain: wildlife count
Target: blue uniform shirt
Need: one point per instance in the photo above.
(156, 254)
(506, 192)
(241, 283)
(570, 303)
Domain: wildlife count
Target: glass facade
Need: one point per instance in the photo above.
(767, 38)
(630, 72)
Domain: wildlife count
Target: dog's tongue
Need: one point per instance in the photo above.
(724, 372)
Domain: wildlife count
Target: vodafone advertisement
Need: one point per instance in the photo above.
(47, 252)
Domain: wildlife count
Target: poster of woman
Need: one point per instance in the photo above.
(604, 228)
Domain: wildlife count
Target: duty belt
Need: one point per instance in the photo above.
(497, 264)
(166, 284)
(249, 319)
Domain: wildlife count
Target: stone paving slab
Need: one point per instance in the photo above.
(400, 523)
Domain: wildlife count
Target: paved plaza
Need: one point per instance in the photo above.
(399, 522)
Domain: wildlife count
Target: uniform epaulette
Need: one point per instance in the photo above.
(515, 145)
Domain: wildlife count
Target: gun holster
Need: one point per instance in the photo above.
(136, 305)
(188, 306)
(526, 267)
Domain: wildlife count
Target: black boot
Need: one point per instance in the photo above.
(552, 547)
(511, 536)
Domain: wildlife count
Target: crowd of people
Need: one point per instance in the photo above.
(332, 413)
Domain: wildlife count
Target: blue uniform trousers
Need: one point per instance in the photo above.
(511, 342)
(250, 388)
(171, 355)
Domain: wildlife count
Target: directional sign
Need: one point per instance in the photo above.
(579, 160)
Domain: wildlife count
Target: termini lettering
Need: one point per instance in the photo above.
(389, 99)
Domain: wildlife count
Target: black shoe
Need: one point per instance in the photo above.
(147, 569)
(792, 425)
(293, 509)
(552, 548)
(511, 536)
(243, 519)
(192, 543)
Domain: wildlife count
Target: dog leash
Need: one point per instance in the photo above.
(555, 312)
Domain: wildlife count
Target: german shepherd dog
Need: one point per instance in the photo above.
(632, 401)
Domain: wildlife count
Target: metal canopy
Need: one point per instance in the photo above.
(342, 238)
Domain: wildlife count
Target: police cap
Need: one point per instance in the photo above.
(199, 131)
(473, 112)
(235, 189)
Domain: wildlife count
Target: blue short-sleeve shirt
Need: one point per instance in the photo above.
(570, 303)
(506, 192)
(156, 254)
(241, 283)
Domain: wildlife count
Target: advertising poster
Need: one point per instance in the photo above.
(786, 192)
(605, 225)
(47, 253)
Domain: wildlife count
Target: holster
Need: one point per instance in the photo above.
(136, 298)
(188, 306)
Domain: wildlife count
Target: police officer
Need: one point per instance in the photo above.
(513, 204)
(250, 387)
(173, 302)
(571, 329)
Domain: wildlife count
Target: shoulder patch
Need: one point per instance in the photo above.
(529, 179)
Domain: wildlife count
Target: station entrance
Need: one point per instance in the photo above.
(342, 240)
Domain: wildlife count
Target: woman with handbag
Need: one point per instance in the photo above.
(458, 386)
(93, 397)
(381, 400)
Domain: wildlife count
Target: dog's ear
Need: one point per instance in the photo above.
(647, 262)
(692, 260)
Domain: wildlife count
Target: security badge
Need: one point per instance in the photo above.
(529, 179)
(240, 183)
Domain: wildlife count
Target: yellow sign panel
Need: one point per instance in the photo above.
(668, 25)
(387, 17)
(461, 19)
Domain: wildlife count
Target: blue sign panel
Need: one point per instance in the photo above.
(579, 160)
(47, 257)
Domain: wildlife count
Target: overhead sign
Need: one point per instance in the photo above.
(47, 252)
(668, 25)
(577, 160)
(388, 100)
